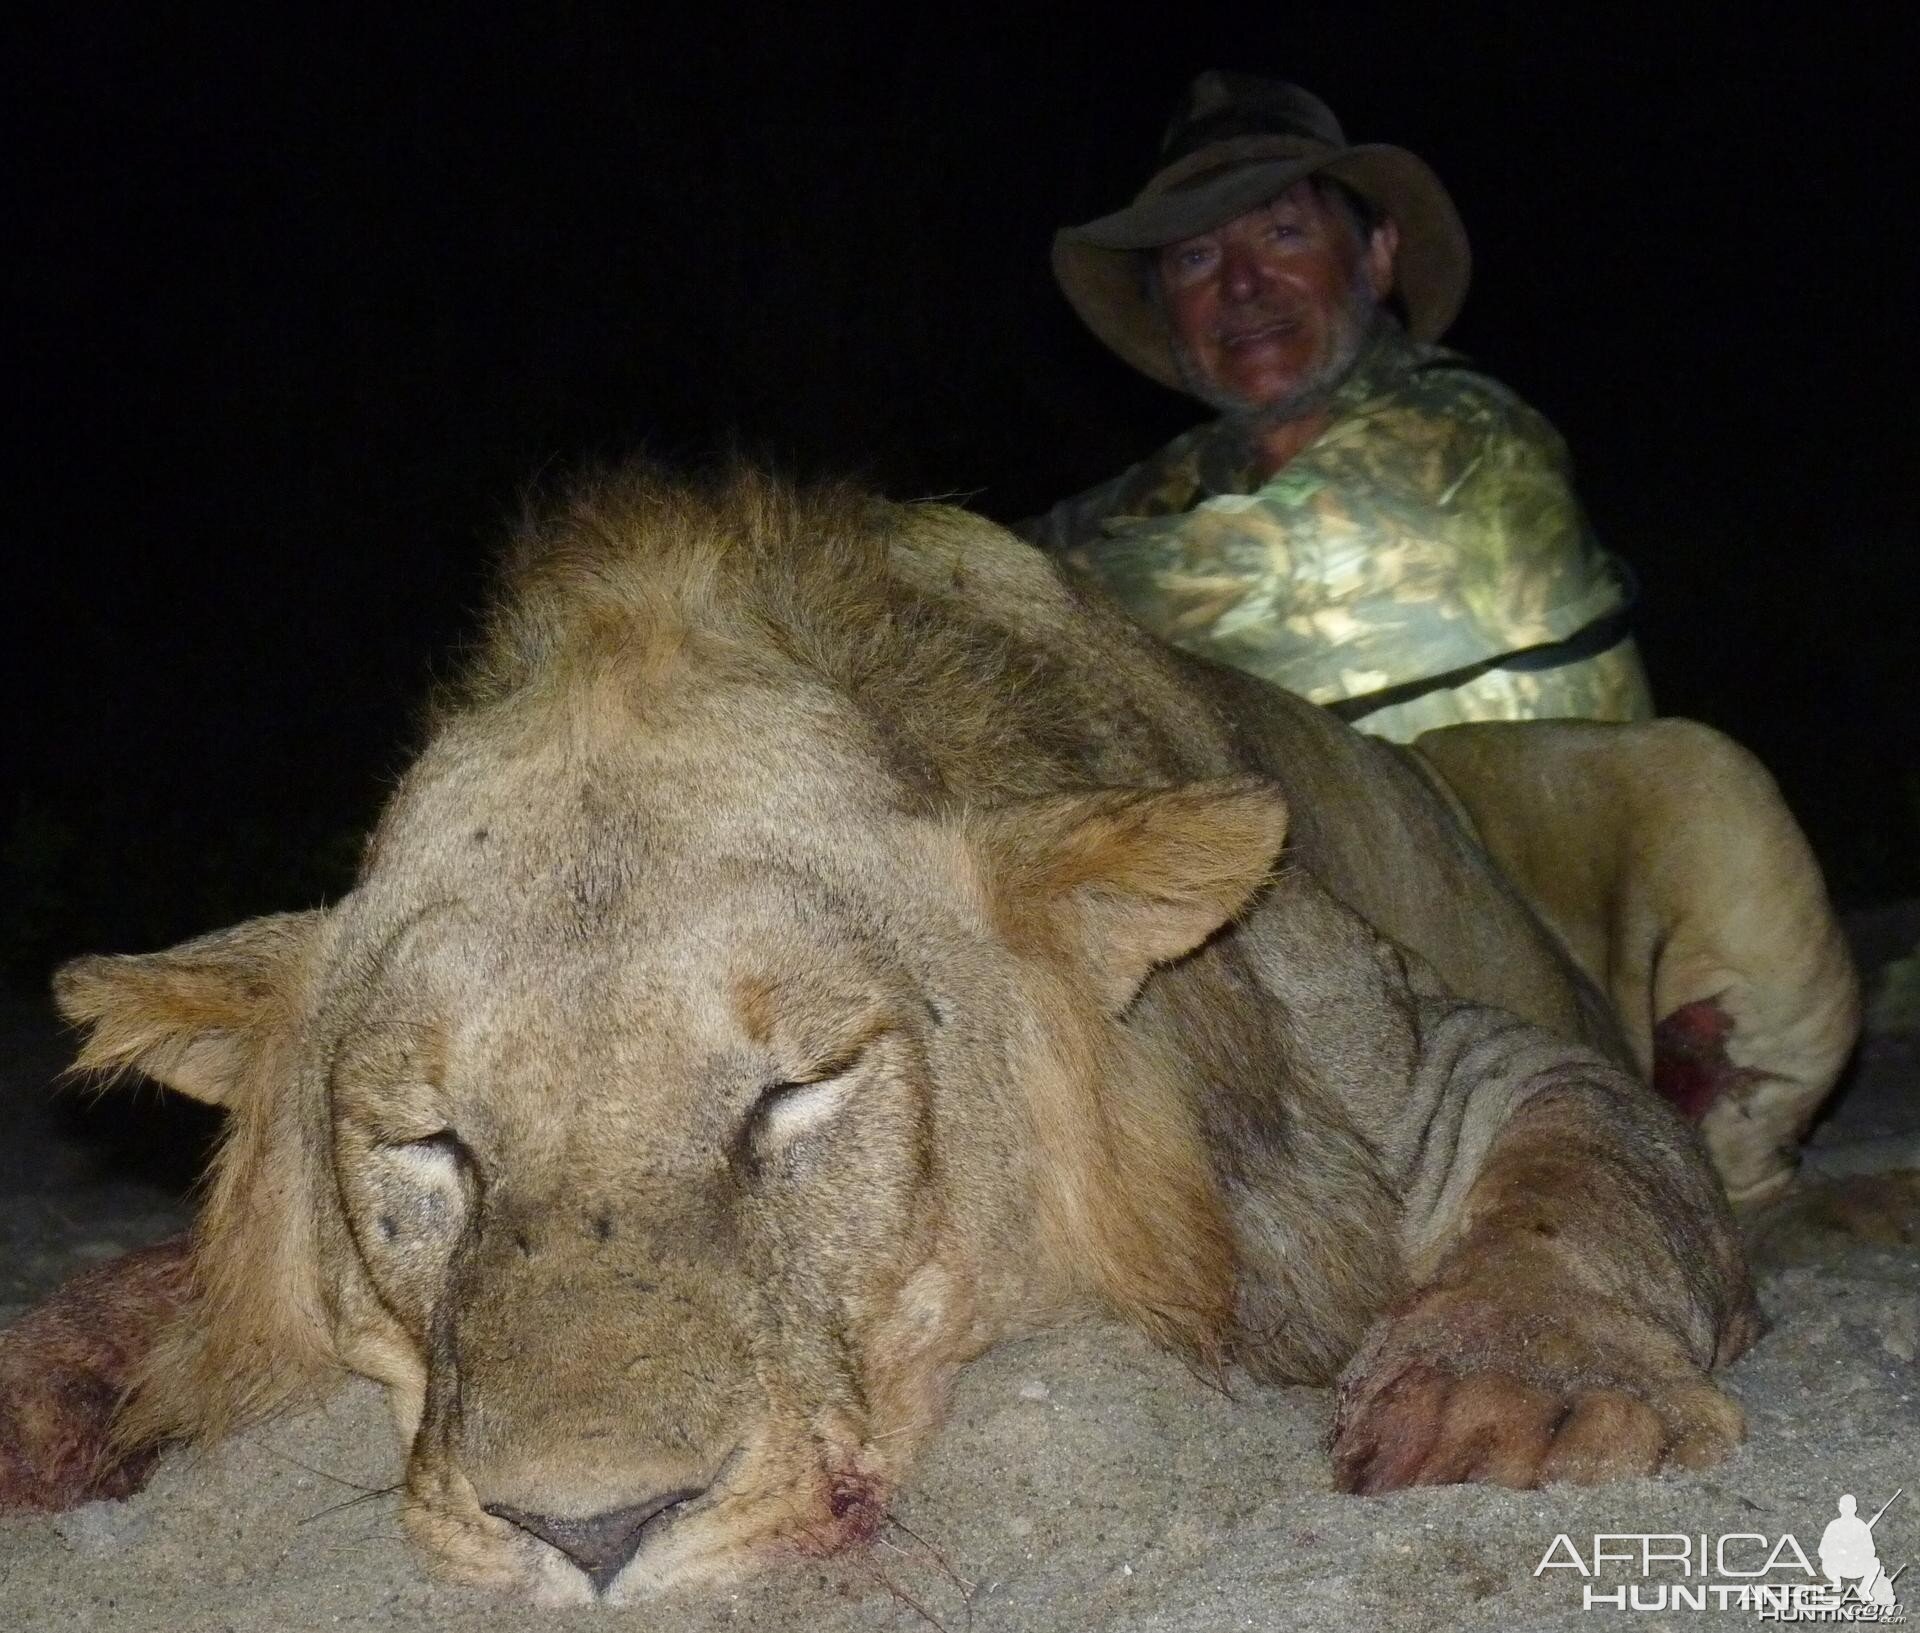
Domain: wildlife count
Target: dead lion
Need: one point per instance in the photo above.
(817, 943)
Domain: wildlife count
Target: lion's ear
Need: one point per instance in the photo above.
(1132, 877)
(185, 1017)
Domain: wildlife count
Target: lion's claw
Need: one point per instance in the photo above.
(1430, 1419)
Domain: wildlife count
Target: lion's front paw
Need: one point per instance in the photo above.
(1430, 1427)
(1444, 1396)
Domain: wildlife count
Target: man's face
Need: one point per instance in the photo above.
(1268, 312)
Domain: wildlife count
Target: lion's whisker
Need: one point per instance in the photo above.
(317, 1473)
(965, 1588)
(354, 1502)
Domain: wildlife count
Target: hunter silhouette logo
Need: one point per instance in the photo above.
(1740, 1570)
(1847, 1555)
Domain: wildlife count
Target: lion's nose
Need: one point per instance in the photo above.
(601, 1544)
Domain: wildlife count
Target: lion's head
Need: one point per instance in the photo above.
(717, 1049)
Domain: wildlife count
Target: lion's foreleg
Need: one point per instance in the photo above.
(64, 1369)
(1575, 1269)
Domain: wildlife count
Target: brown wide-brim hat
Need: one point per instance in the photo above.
(1236, 143)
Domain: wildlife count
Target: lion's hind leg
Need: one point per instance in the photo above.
(1663, 856)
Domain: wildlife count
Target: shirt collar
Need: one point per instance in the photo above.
(1387, 357)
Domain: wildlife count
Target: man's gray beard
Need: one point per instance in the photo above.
(1360, 316)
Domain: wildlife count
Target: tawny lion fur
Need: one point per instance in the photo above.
(817, 942)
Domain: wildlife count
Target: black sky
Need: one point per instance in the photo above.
(299, 308)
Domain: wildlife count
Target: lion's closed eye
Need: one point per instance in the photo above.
(422, 1186)
(443, 1145)
(437, 1161)
(789, 1110)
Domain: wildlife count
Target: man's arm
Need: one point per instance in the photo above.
(1052, 530)
(1430, 535)
(1162, 484)
(1072, 521)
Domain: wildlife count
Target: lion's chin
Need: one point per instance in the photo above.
(765, 1515)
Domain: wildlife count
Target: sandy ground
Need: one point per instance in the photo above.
(1083, 1482)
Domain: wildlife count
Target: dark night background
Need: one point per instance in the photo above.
(299, 309)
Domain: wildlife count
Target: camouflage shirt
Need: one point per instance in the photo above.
(1430, 527)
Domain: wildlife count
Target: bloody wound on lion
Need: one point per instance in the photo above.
(1691, 1068)
(65, 1368)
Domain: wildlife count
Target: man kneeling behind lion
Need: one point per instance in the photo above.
(818, 942)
